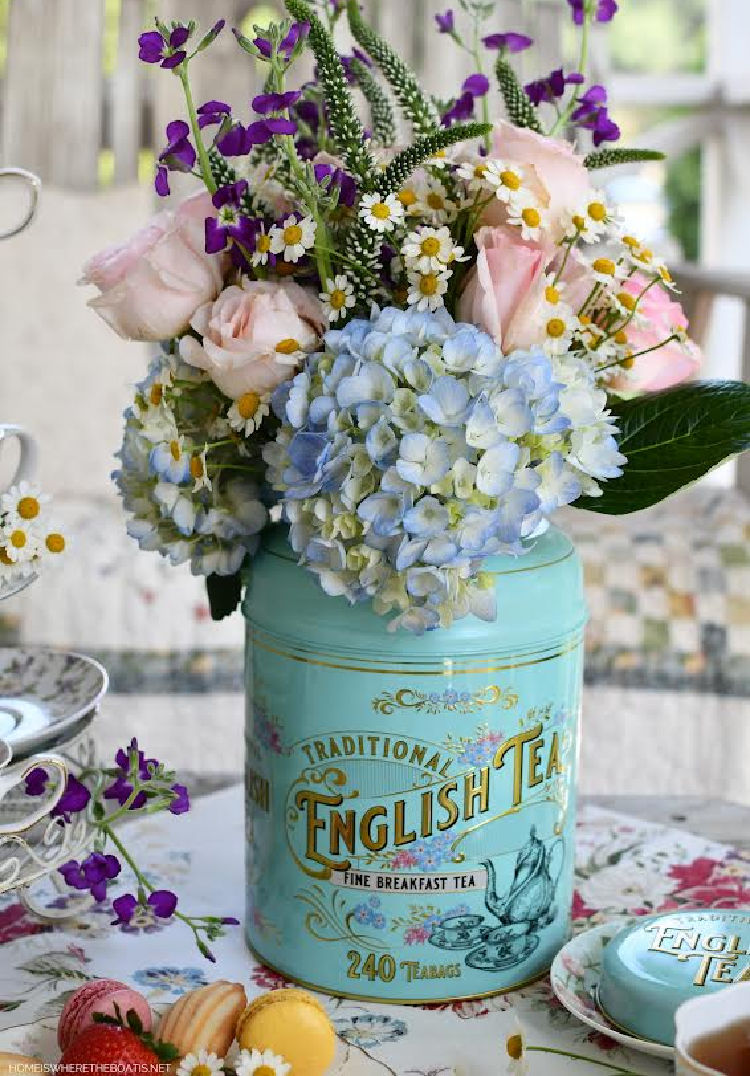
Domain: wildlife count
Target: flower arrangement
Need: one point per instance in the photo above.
(28, 536)
(134, 785)
(412, 352)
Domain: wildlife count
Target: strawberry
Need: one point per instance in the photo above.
(104, 1048)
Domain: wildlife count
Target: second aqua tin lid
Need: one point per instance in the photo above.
(651, 968)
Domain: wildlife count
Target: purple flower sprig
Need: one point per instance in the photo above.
(135, 783)
(279, 43)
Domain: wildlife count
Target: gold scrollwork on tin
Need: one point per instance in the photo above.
(329, 920)
(330, 779)
(448, 701)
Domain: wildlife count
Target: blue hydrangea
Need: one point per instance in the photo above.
(411, 449)
(180, 501)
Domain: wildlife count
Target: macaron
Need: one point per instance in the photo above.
(294, 1025)
(204, 1019)
(99, 996)
(19, 1064)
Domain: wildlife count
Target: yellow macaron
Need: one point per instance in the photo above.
(292, 1024)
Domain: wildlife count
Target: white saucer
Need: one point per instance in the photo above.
(43, 694)
(575, 977)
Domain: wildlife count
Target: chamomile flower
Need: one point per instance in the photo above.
(591, 220)
(515, 1050)
(199, 471)
(527, 216)
(665, 277)
(246, 414)
(254, 1063)
(607, 271)
(506, 179)
(289, 351)
(19, 542)
(23, 502)
(559, 324)
(433, 203)
(294, 238)
(427, 249)
(338, 297)
(408, 198)
(426, 290)
(54, 540)
(440, 160)
(474, 174)
(201, 1064)
(381, 214)
(262, 251)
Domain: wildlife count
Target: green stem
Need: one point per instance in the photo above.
(583, 61)
(205, 164)
(476, 53)
(582, 1057)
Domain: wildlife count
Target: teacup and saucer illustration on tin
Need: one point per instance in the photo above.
(519, 913)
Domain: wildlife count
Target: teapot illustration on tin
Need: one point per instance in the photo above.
(520, 913)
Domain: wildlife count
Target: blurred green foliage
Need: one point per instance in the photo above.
(683, 191)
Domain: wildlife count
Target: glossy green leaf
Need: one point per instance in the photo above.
(224, 593)
(672, 438)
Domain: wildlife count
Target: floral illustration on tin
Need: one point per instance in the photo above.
(448, 701)
(330, 918)
(422, 920)
(476, 750)
(521, 911)
(267, 732)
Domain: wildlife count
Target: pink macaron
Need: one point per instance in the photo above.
(101, 995)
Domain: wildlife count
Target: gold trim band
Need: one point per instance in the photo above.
(445, 668)
(393, 1001)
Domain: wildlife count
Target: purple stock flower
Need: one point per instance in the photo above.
(337, 177)
(178, 155)
(213, 112)
(602, 10)
(510, 41)
(461, 110)
(298, 31)
(145, 765)
(229, 921)
(121, 790)
(36, 782)
(446, 23)
(155, 50)
(263, 45)
(477, 85)
(594, 97)
(239, 140)
(591, 114)
(275, 102)
(92, 873)
(308, 112)
(229, 223)
(162, 903)
(181, 803)
(161, 182)
(553, 86)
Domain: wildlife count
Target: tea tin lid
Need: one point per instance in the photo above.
(651, 968)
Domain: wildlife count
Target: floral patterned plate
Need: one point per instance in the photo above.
(575, 977)
(43, 693)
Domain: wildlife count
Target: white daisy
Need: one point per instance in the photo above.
(408, 198)
(515, 1050)
(262, 251)
(294, 238)
(201, 1064)
(55, 541)
(427, 249)
(338, 297)
(440, 160)
(199, 471)
(254, 1063)
(19, 542)
(474, 174)
(559, 323)
(23, 501)
(246, 414)
(381, 214)
(591, 220)
(606, 271)
(434, 204)
(426, 290)
(289, 351)
(507, 180)
(527, 216)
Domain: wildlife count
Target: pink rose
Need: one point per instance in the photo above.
(254, 335)
(560, 178)
(151, 286)
(504, 287)
(667, 365)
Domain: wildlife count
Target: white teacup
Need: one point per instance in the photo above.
(27, 456)
(704, 1017)
(20, 178)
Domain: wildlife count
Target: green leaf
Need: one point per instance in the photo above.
(224, 593)
(607, 158)
(381, 113)
(671, 439)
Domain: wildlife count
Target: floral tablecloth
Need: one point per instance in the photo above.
(624, 866)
